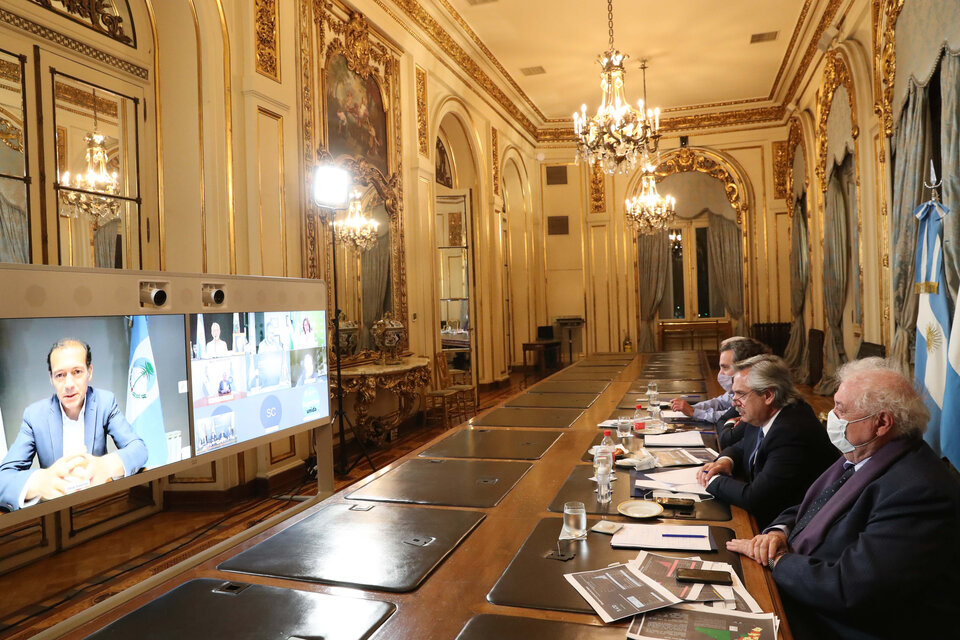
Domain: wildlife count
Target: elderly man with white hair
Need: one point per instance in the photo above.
(872, 550)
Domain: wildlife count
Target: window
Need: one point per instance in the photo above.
(689, 294)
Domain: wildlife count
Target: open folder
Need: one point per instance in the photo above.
(663, 536)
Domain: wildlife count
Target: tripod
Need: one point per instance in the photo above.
(343, 465)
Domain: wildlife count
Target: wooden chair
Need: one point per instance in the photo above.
(441, 402)
(466, 393)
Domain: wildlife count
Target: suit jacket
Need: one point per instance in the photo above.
(791, 456)
(41, 435)
(886, 566)
(729, 435)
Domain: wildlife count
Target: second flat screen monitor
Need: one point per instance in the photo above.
(254, 374)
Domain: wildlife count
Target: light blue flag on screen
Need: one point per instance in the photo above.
(933, 319)
(143, 394)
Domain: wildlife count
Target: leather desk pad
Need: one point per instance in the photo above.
(494, 443)
(453, 483)
(578, 486)
(205, 608)
(583, 373)
(538, 583)
(559, 400)
(528, 417)
(389, 548)
(487, 626)
(570, 386)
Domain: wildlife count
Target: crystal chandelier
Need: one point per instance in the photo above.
(649, 212)
(83, 196)
(356, 229)
(618, 135)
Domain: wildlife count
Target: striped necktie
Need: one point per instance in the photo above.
(822, 499)
(756, 451)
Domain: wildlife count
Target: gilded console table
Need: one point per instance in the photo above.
(405, 379)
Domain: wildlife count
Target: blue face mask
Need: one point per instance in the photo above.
(837, 431)
(725, 381)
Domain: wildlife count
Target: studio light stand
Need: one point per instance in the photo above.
(330, 188)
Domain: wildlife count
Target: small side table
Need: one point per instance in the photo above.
(568, 324)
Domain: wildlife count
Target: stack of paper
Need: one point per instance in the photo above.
(679, 480)
(619, 591)
(663, 536)
(679, 439)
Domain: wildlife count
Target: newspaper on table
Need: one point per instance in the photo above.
(618, 592)
(697, 621)
(663, 569)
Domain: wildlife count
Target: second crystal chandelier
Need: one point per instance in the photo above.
(618, 136)
(356, 229)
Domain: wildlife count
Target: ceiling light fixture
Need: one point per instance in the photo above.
(618, 136)
(90, 194)
(649, 212)
(356, 229)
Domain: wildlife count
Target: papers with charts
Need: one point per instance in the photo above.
(679, 439)
(620, 591)
(697, 621)
(662, 536)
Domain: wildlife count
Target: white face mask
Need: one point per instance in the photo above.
(837, 431)
(725, 381)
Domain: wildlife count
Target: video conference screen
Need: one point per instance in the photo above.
(254, 374)
(87, 400)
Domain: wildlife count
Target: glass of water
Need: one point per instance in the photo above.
(653, 395)
(574, 520)
(624, 427)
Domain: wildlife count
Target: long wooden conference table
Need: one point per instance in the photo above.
(447, 542)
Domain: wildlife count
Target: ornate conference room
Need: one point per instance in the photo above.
(479, 319)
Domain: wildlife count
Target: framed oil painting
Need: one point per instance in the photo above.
(356, 119)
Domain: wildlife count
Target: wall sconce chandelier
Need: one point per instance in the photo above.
(649, 212)
(90, 194)
(618, 135)
(356, 229)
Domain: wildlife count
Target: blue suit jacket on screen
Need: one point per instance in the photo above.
(41, 435)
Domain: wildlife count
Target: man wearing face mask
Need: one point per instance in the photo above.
(783, 449)
(731, 350)
(882, 521)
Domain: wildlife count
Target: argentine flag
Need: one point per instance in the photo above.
(930, 368)
(143, 394)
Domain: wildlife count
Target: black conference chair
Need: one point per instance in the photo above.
(871, 350)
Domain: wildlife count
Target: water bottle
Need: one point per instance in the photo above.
(638, 419)
(603, 453)
(604, 488)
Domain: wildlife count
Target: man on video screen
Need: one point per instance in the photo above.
(67, 432)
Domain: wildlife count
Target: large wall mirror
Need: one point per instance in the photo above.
(14, 204)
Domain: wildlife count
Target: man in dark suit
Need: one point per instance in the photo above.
(871, 551)
(784, 447)
(67, 433)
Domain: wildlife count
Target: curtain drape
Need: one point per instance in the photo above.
(375, 267)
(910, 151)
(726, 258)
(653, 255)
(835, 275)
(14, 233)
(795, 353)
(950, 168)
(105, 244)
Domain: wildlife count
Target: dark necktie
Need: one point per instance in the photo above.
(822, 499)
(756, 451)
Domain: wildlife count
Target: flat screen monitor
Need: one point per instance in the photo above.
(89, 392)
(254, 374)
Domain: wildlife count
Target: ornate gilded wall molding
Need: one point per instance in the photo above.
(100, 15)
(307, 117)
(266, 38)
(423, 142)
(495, 157)
(11, 135)
(885, 15)
(82, 48)
(780, 169)
(794, 138)
(836, 73)
(76, 96)
(826, 19)
(10, 71)
(598, 191)
(712, 164)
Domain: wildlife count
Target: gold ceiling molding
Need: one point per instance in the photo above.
(82, 48)
(793, 40)
(598, 191)
(556, 134)
(885, 15)
(712, 164)
(794, 139)
(81, 98)
(780, 169)
(266, 38)
(722, 119)
(495, 154)
(829, 13)
(836, 74)
(423, 142)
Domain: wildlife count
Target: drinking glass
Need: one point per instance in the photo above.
(653, 395)
(574, 520)
(624, 427)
